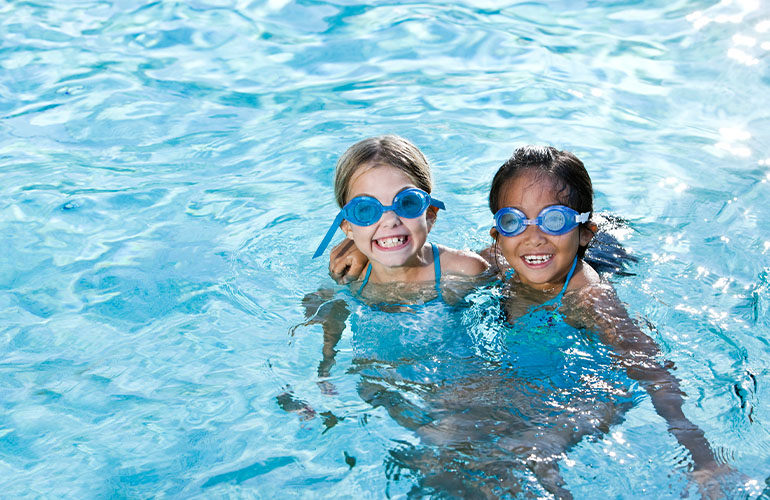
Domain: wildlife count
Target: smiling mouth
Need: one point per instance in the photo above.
(392, 242)
(535, 260)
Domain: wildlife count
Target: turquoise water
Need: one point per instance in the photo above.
(165, 174)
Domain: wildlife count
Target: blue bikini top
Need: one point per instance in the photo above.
(533, 320)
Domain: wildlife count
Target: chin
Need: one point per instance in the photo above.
(391, 261)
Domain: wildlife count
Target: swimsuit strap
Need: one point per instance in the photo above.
(437, 269)
(566, 282)
(557, 299)
(366, 278)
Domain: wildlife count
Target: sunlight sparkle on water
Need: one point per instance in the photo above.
(746, 41)
(762, 26)
(672, 182)
(742, 57)
(731, 136)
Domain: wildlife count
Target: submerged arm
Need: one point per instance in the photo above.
(638, 354)
(331, 314)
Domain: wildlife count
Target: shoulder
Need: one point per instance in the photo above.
(461, 262)
(596, 306)
(588, 289)
(592, 299)
(585, 277)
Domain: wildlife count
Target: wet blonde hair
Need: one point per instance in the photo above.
(382, 150)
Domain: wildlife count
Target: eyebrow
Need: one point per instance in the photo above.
(372, 196)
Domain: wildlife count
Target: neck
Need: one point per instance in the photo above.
(415, 269)
(551, 287)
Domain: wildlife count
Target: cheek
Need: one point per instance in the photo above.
(572, 240)
(507, 247)
(415, 225)
(361, 234)
(362, 231)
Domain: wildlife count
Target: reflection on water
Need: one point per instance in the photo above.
(165, 167)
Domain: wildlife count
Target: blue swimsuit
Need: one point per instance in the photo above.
(534, 318)
(436, 270)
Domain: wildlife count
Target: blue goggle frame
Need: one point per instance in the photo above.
(554, 220)
(365, 211)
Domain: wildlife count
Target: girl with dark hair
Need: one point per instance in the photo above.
(542, 201)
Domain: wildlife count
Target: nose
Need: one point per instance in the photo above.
(533, 234)
(390, 219)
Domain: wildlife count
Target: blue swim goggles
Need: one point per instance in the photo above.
(553, 220)
(365, 211)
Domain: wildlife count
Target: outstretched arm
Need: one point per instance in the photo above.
(602, 312)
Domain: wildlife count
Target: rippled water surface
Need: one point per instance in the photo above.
(166, 172)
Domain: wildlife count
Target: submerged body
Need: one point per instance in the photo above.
(495, 411)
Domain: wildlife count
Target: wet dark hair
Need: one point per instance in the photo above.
(562, 167)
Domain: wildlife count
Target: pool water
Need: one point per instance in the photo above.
(166, 173)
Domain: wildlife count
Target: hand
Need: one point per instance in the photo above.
(327, 388)
(346, 262)
(718, 481)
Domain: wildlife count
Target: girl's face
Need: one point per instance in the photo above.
(392, 241)
(540, 260)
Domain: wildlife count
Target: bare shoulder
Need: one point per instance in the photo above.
(585, 277)
(593, 301)
(461, 262)
(596, 306)
(589, 291)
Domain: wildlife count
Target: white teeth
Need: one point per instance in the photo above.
(537, 259)
(391, 242)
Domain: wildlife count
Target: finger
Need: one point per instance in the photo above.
(341, 249)
(355, 268)
(339, 272)
(337, 266)
(338, 259)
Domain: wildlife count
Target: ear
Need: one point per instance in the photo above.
(431, 214)
(345, 226)
(493, 232)
(587, 232)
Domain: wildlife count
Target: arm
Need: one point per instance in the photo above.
(601, 311)
(331, 314)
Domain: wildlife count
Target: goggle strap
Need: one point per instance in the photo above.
(437, 203)
(333, 229)
(582, 218)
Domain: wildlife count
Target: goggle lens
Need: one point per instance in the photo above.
(410, 203)
(554, 220)
(367, 211)
(510, 223)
